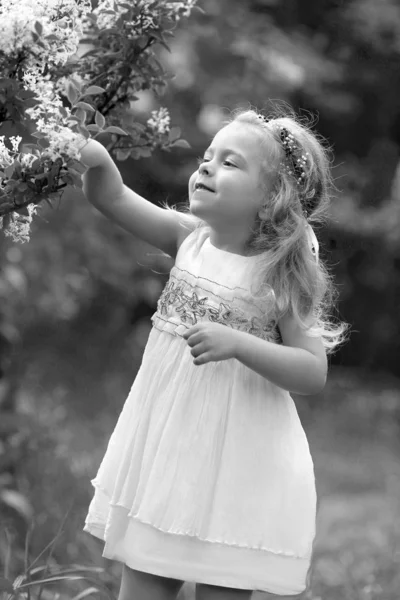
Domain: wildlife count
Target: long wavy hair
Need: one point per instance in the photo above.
(302, 285)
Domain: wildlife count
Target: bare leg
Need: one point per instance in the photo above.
(216, 592)
(137, 585)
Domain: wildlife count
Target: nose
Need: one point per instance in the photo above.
(204, 168)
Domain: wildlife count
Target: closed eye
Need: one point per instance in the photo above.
(201, 160)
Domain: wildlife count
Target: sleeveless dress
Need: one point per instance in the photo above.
(208, 476)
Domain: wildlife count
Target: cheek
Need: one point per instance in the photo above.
(192, 181)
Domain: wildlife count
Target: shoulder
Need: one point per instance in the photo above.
(189, 226)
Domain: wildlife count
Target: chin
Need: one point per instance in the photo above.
(196, 209)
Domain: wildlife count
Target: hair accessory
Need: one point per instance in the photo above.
(296, 161)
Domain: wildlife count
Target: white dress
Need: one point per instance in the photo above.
(208, 475)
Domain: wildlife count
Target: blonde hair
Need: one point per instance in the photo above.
(302, 285)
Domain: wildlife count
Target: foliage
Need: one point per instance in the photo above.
(66, 96)
(35, 579)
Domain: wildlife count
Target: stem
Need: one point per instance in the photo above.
(107, 105)
(9, 207)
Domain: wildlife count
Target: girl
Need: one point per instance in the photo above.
(208, 476)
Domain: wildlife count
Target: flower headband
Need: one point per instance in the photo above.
(295, 165)
(296, 162)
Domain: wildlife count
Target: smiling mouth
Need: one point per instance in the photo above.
(201, 186)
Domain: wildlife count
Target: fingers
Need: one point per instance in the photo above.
(194, 339)
(203, 359)
(198, 346)
(198, 349)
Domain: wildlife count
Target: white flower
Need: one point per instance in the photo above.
(6, 158)
(19, 227)
(15, 141)
(60, 18)
(159, 121)
(27, 159)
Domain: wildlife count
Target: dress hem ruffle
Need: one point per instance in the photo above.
(172, 531)
(147, 549)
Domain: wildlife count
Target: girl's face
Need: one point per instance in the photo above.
(226, 189)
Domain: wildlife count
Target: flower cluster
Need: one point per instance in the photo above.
(51, 117)
(181, 9)
(7, 156)
(56, 24)
(159, 121)
(19, 225)
(147, 14)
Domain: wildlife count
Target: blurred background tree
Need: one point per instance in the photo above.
(78, 298)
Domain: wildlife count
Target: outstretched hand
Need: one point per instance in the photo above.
(211, 342)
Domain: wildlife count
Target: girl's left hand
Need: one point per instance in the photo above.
(211, 342)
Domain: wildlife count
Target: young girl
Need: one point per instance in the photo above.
(208, 476)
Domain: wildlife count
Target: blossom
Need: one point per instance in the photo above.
(6, 157)
(149, 16)
(50, 120)
(19, 227)
(60, 19)
(181, 9)
(159, 121)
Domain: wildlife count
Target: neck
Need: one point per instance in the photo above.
(229, 240)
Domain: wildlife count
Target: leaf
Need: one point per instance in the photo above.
(114, 129)
(9, 171)
(67, 179)
(72, 93)
(85, 593)
(77, 166)
(174, 133)
(76, 178)
(29, 147)
(100, 120)
(18, 167)
(84, 105)
(23, 211)
(36, 163)
(123, 154)
(44, 143)
(144, 152)
(180, 144)
(63, 111)
(39, 28)
(93, 89)
(51, 579)
(18, 502)
(93, 127)
(81, 114)
(76, 83)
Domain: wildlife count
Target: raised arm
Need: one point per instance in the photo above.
(104, 188)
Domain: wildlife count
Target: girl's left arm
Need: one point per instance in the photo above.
(299, 365)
